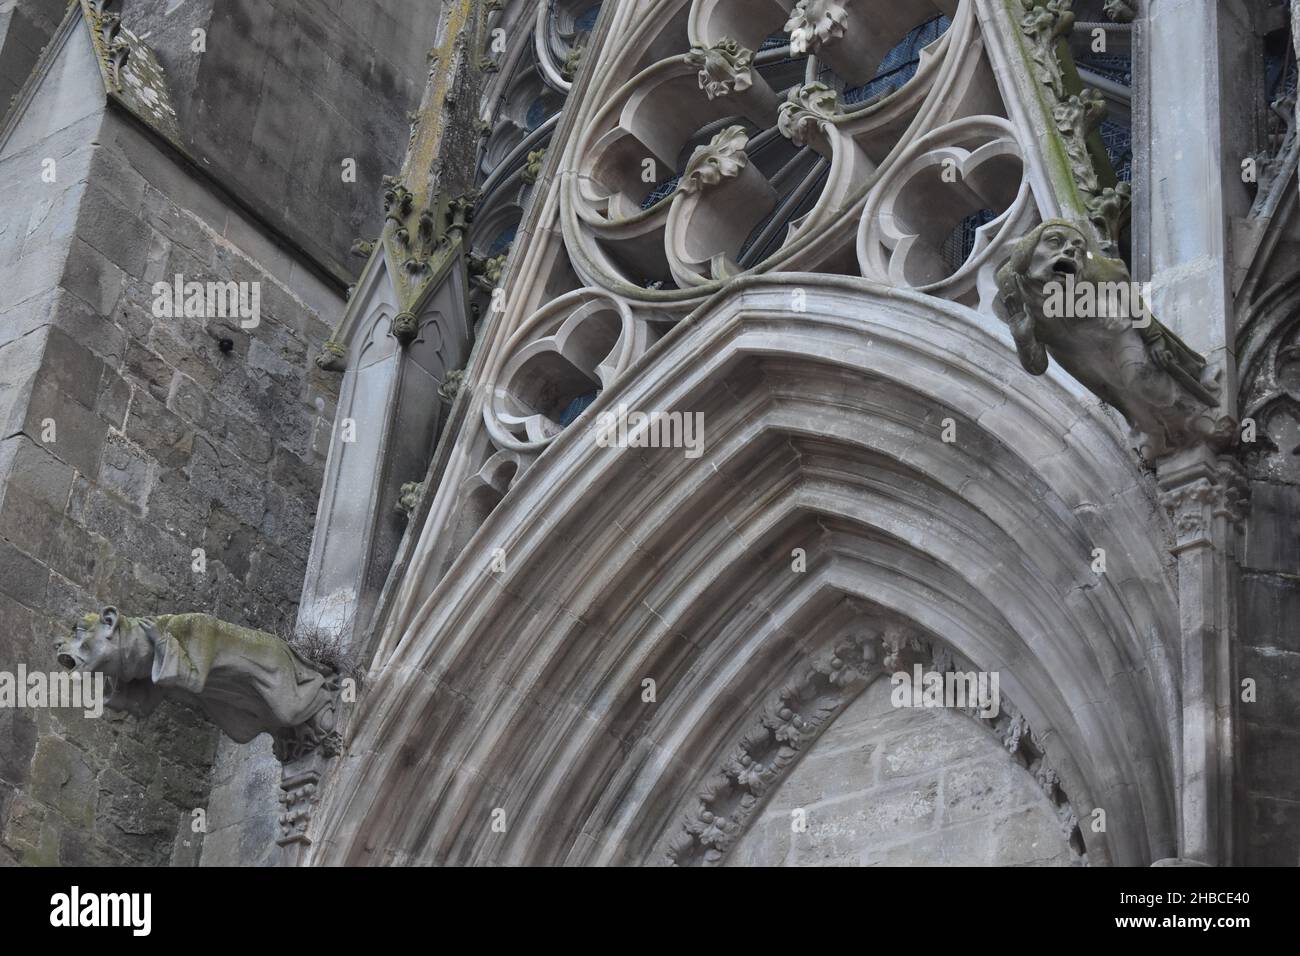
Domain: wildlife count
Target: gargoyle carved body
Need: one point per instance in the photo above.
(247, 682)
(1113, 346)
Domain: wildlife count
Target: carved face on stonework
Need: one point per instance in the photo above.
(1062, 251)
(97, 645)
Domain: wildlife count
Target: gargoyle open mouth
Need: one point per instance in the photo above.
(1065, 265)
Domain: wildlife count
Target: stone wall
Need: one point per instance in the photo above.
(285, 91)
(164, 442)
(1269, 653)
(905, 787)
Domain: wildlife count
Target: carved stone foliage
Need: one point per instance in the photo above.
(800, 711)
(726, 67)
(1196, 498)
(247, 682)
(418, 238)
(1108, 341)
(827, 147)
(815, 23)
(1076, 113)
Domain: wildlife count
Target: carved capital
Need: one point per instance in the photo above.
(1198, 489)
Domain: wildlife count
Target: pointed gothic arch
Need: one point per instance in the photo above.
(519, 690)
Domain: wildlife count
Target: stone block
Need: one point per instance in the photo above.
(95, 332)
(35, 471)
(116, 232)
(1273, 529)
(79, 433)
(22, 577)
(126, 471)
(63, 780)
(72, 368)
(159, 431)
(92, 277)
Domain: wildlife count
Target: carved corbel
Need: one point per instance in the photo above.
(333, 357)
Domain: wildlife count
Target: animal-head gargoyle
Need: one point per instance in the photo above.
(247, 682)
(1063, 298)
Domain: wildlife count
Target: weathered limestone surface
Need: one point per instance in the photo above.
(285, 91)
(25, 27)
(905, 787)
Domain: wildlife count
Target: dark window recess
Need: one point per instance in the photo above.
(900, 63)
(661, 192)
(1117, 68)
(577, 407)
(537, 114)
(961, 243)
(502, 242)
(1119, 147)
(587, 22)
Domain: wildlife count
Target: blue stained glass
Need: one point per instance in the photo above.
(1117, 68)
(961, 243)
(900, 63)
(1119, 147)
(661, 192)
(502, 242)
(536, 114)
(577, 407)
(587, 21)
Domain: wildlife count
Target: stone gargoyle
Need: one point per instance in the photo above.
(247, 682)
(1063, 298)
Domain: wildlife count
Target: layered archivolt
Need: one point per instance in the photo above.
(516, 693)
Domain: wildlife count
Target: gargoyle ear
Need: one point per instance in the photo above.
(109, 616)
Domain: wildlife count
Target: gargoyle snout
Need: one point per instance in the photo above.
(67, 661)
